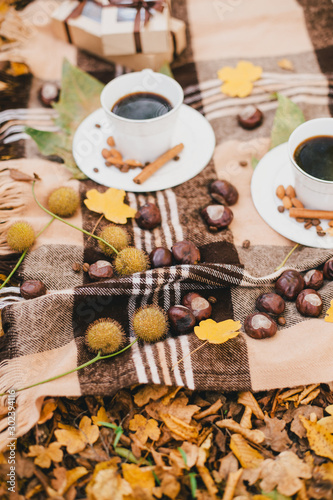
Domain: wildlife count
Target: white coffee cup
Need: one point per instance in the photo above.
(314, 193)
(142, 140)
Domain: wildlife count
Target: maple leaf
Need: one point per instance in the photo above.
(238, 81)
(320, 439)
(44, 456)
(217, 333)
(110, 203)
(100, 417)
(329, 313)
(47, 411)
(77, 439)
(144, 428)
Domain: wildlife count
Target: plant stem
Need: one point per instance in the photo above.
(23, 255)
(90, 362)
(285, 260)
(189, 354)
(69, 224)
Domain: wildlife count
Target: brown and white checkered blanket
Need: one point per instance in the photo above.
(45, 336)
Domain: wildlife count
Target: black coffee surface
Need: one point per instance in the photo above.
(141, 106)
(315, 157)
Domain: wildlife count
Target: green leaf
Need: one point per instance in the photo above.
(183, 454)
(287, 117)
(166, 70)
(275, 495)
(193, 483)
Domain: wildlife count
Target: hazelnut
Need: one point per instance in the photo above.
(223, 192)
(328, 270)
(250, 117)
(290, 284)
(314, 279)
(32, 289)
(100, 270)
(181, 319)
(281, 320)
(160, 257)
(49, 93)
(217, 216)
(260, 326)
(309, 303)
(148, 216)
(185, 252)
(199, 306)
(270, 303)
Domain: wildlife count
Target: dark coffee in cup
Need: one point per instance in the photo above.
(315, 157)
(141, 106)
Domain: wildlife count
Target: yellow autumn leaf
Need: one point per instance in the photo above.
(110, 203)
(329, 313)
(64, 479)
(217, 333)
(329, 409)
(136, 476)
(44, 456)
(237, 88)
(320, 440)
(100, 417)
(47, 411)
(77, 439)
(325, 471)
(327, 423)
(248, 457)
(144, 428)
(247, 399)
(238, 81)
(185, 431)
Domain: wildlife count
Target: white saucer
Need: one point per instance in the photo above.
(192, 129)
(272, 170)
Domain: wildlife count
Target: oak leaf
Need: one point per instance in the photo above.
(100, 417)
(238, 81)
(248, 457)
(217, 333)
(144, 428)
(44, 456)
(320, 439)
(110, 203)
(47, 411)
(77, 439)
(329, 313)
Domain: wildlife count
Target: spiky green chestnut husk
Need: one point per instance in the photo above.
(131, 260)
(104, 335)
(150, 324)
(20, 236)
(115, 236)
(64, 202)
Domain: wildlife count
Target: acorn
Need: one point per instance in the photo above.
(131, 260)
(63, 202)
(150, 323)
(115, 236)
(104, 335)
(20, 236)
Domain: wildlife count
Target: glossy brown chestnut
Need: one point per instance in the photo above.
(160, 257)
(217, 217)
(290, 284)
(49, 93)
(309, 303)
(250, 118)
(148, 216)
(100, 270)
(181, 319)
(31, 289)
(314, 279)
(328, 270)
(271, 303)
(260, 326)
(185, 252)
(199, 306)
(223, 192)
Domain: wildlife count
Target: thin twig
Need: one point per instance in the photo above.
(189, 354)
(285, 260)
(95, 226)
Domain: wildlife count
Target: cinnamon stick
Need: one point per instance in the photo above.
(150, 169)
(311, 214)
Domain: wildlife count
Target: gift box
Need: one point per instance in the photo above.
(118, 28)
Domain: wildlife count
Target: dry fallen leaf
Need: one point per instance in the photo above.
(286, 64)
(111, 204)
(107, 483)
(144, 428)
(17, 175)
(169, 487)
(255, 436)
(64, 479)
(329, 313)
(178, 408)
(147, 392)
(76, 439)
(238, 81)
(138, 477)
(44, 456)
(327, 423)
(296, 425)
(179, 428)
(217, 333)
(276, 437)
(47, 411)
(247, 399)
(320, 440)
(100, 417)
(248, 457)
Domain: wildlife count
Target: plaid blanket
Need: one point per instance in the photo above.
(45, 336)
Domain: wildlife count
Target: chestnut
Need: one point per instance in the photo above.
(185, 252)
(290, 284)
(314, 279)
(217, 217)
(223, 192)
(309, 303)
(260, 326)
(160, 257)
(271, 303)
(250, 117)
(100, 270)
(199, 306)
(181, 319)
(328, 270)
(49, 93)
(148, 216)
(31, 289)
